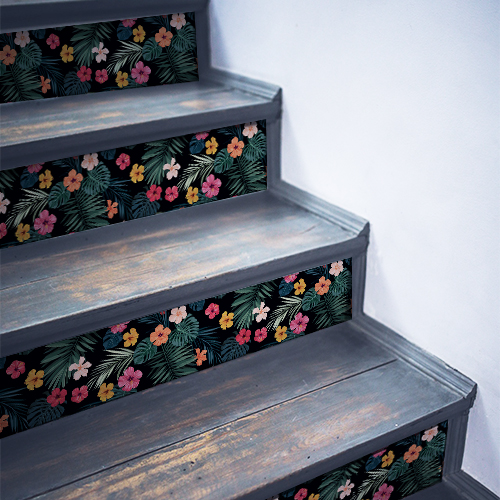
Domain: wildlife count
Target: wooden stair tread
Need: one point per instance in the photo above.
(102, 277)
(326, 399)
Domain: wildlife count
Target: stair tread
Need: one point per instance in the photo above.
(50, 129)
(327, 399)
(102, 277)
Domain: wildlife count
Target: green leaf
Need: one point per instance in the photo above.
(245, 177)
(232, 350)
(85, 212)
(97, 180)
(223, 161)
(332, 481)
(342, 283)
(399, 467)
(208, 339)
(119, 191)
(40, 412)
(58, 195)
(74, 86)
(142, 207)
(171, 362)
(13, 403)
(199, 170)
(86, 37)
(435, 448)
(310, 299)
(151, 49)
(49, 68)
(332, 310)
(8, 178)
(116, 362)
(157, 154)
(176, 67)
(32, 204)
(30, 56)
(184, 39)
(20, 85)
(372, 483)
(284, 313)
(185, 332)
(249, 298)
(128, 56)
(421, 474)
(144, 351)
(256, 147)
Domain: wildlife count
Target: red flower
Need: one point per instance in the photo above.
(123, 161)
(243, 337)
(84, 73)
(57, 397)
(101, 75)
(78, 395)
(53, 41)
(154, 193)
(16, 368)
(301, 494)
(171, 193)
(212, 310)
(261, 334)
(119, 328)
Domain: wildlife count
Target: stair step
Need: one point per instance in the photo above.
(327, 399)
(90, 280)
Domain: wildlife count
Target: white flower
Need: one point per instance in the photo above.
(337, 268)
(22, 38)
(250, 129)
(101, 52)
(177, 314)
(430, 434)
(90, 161)
(261, 312)
(82, 368)
(178, 21)
(346, 489)
(3, 204)
(172, 168)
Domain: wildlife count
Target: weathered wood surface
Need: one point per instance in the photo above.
(50, 129)
(271, 450)
(106, 276)
(88, 442)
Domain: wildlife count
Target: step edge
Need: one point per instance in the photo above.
(462, 482)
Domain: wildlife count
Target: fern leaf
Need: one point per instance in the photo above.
(199, 170)
(84, 212)
(129, 55)
(245, 177)
(247, 299)
(170, 363)
(176, 67)
(32, 204)
(117, 361)
(284, 313)
(12, 403)
(86, 37)
(20, 85)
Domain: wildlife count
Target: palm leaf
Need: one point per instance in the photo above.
(332, 310)
(84, 212)
(129, 55)
(97, 180)
(373, 482)
(332, 481)
(117, 361)
(435, 448)
(118, 191)
(86, 37)
(284, 313)
(74, 86)
(185, 332)
(157, 154)
(34, 202)
(49, 68)
(184, 39)
(8, 178)
(200, 169)
(245, 177)
(20, 85)
(60, 355)
(247, 299)
(155, 319)
(30, 56)
(176, 67)
(40, 412)
(256, 148)
(232, 350)
(13, 404)
(208, 340)
(170, 363)
(159, 21)
(342, 283)
(421, 474)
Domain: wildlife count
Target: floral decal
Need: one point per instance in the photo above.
(124, 54)
(56, 198)
(65, 377)
(389, 474)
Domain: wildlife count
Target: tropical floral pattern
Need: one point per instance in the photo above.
(55, 198)
(45, 383)
(393, 473)
(71, 60)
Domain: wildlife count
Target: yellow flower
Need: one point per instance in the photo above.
(280, 334)
(192, 195)
(300, 287)
(136, 173)
(130, 338)
(45, 179)
(105, 392)
(122, 79)
(312, 496)
(67, 53)
(34, 379)
(23, 232)
(211, 146)
(388, 459)
(226, 320)
(139, 34)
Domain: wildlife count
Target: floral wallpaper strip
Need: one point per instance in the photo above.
(393, 473)
(55, 198)
(43, 384)
(71, 60)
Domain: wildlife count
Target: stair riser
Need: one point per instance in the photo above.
(98, 189)
(169, 344)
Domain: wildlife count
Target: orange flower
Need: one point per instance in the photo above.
(200, 356)
(139, 34)
(226, 320)
(388, 459)
(73, 181)
(112, 208)
(322, 286)
(235, 148)
(412, 454)
(163, 37)
(130, 338)
(45, 179)
(160, 335)
(105, 392)
(8, 55)
(45, 85)
(300, 287)
(23, 232)
(3, 422)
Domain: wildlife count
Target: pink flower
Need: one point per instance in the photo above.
(82, 368)
(290, 278)
(384, 492)
(16, 368)
(57, 397)
(78, 395)
(101, 52)
(301, 494)
(299, 323)
(141, 73)
(261, 334)
(3, 230)
(119, 328)
(128, 23)
(173, 169)
(201, 136)
(4, 203)
(243, 337)
(53, 41)
(154, 193)
(212, 310)
(430, 434)
(35, 168)
(177, 314)
(101, 75)
(44, 224)
(130, 379)
(261, 312)
(337, 268)
(346, 489)
(84, 73)
(171, 193)
(250, 129)
(211, 186)
(380, 453)
(123, 161)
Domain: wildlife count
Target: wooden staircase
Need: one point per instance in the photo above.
(252, 428)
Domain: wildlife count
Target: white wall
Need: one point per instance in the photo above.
(391, 110)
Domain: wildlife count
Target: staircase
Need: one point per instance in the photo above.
(233, 409)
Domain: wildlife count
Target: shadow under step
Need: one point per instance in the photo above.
(248, 429)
